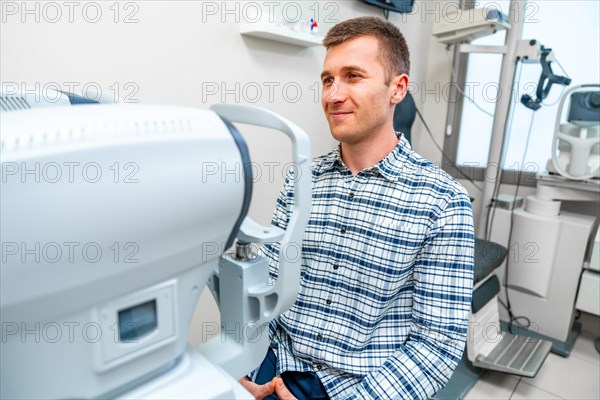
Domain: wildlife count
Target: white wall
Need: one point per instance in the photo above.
(179, 53)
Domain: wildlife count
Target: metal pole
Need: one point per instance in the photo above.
(503, 104)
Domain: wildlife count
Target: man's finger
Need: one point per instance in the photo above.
(258, 391)
(282, 392)
(264, 390)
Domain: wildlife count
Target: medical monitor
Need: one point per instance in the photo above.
(399, 6)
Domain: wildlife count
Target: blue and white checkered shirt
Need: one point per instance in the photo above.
(387, 278)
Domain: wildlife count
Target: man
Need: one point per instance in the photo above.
(387, 259)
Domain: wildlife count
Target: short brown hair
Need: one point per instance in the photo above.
(393, 51)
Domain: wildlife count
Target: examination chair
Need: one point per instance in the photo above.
(404, 116)
(488, 347)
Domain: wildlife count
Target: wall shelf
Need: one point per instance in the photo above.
(281, 34)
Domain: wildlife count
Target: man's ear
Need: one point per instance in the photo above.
(400, 86)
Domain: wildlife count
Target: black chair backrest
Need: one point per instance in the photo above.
(404, 116)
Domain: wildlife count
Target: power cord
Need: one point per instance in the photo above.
(516, 321)
(460, 171)
(453, 73)
(493, 205)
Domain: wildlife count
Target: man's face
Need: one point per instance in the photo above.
(356, 100)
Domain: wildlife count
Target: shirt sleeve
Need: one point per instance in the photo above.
(443, 285)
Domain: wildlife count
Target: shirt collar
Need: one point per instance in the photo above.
(390, 167)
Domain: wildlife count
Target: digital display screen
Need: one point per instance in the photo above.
(137, 321)
(400, 6)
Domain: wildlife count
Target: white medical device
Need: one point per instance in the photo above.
(549, 249)
(467, 25)
(114, 218)
(576, 143)
(554, 268)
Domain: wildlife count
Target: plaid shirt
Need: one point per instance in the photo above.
(386, 282)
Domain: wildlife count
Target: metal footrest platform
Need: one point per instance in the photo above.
(518, 355)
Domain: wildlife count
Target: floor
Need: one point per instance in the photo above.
(574, 377)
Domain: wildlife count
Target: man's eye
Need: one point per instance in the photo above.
(353, 76)
(327, 81)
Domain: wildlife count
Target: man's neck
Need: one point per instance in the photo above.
(365, 154)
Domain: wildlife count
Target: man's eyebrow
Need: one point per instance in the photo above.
(345, 68)
(354, 68)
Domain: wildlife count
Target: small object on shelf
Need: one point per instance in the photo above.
(285, 34)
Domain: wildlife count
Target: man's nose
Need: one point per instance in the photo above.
(334, 94)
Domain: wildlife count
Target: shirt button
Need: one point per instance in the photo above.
(343, 231)
(319, 337)
(351, 195)
(336, 267)
(319, 367)
(328, 301)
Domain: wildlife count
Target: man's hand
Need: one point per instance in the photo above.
(258, 391)
(262, 391)
(282, 392)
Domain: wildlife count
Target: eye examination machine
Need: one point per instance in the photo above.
(113, 222)
(537, 261)
(556, 270)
